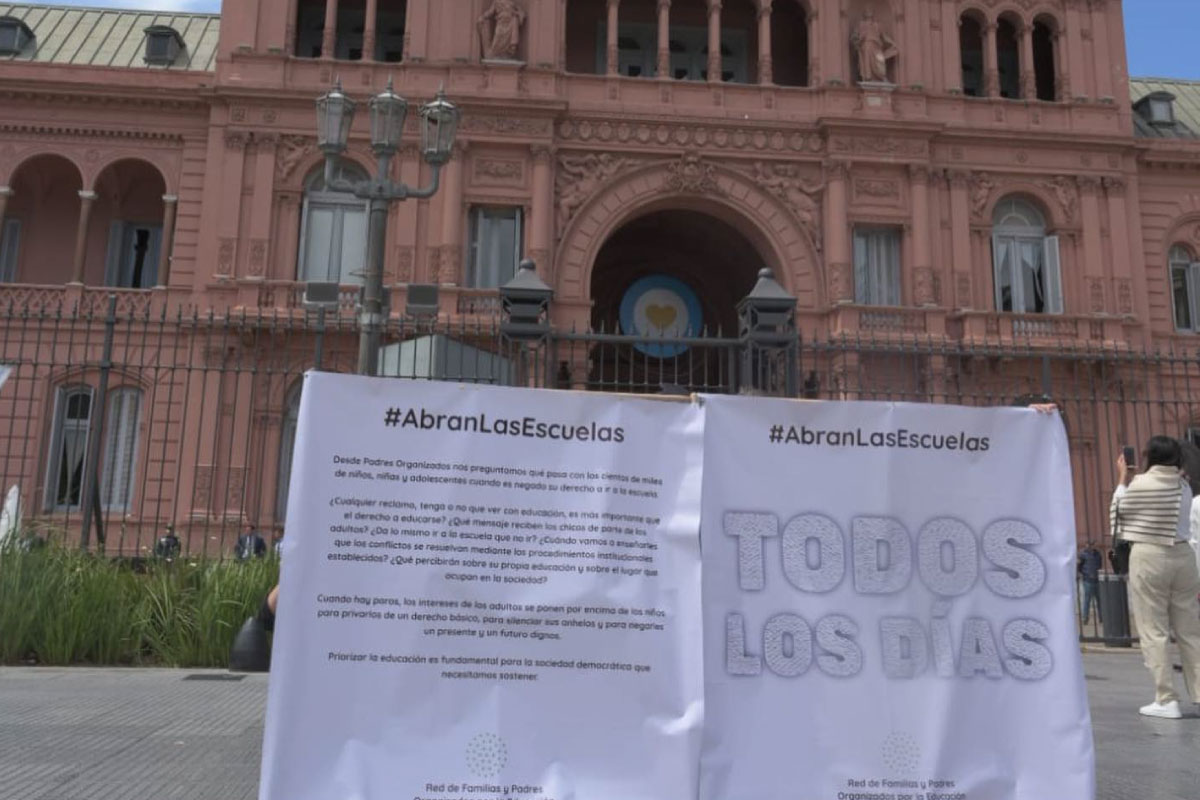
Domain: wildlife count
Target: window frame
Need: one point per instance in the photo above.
(474, 245)
(1044, 245)
(114, 497)
(58, 430)
(317, 198)
(877, 284)
(119, 263)
(1189, 265)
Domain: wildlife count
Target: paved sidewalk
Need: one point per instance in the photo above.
(147, 734)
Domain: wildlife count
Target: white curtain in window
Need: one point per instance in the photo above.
(68, 447)
(120, 448)
(877, 267)
(1025, 261)
(495, 246)
(333, 230)
(1185, 291)
(1028, 275)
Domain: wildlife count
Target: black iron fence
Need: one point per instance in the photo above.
(125, 427)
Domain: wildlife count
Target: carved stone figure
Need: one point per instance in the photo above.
(874, 48)
(981, 187)
(785, 182)
(579, 179)
(500, 30)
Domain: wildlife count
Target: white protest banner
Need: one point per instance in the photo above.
(488, 593)
(888, 610)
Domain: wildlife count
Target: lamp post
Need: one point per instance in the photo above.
(335, 115)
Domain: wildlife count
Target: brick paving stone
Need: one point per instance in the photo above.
(152, 734)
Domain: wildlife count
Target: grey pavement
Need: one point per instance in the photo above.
(129, 734)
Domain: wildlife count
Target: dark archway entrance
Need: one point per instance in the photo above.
(662, 277)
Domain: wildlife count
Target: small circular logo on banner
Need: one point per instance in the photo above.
(487, 755)
(901, 753)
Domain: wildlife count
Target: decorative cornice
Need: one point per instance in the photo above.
(675, 134)
(89, 133)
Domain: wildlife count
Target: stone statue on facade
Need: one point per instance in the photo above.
(874, 49)
(500, 30)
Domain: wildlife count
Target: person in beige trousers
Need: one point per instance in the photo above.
(1152, 511)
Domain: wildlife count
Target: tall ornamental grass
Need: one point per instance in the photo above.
(59, 605)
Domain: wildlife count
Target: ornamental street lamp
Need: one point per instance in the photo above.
(388, 110)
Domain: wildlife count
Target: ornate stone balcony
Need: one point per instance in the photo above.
(17, 299)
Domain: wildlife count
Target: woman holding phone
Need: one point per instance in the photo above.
(1152, 510)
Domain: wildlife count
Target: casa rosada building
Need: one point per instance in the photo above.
(960, 170)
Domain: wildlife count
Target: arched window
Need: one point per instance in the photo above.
(1025, 260)
(74, 417)
(68, 447)
(1008, 58)
(1044, 66)
(789, 43)
(333, 230)
(970, 42)
(1185, 288)
(287, 446)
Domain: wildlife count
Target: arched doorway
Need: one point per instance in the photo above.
(664, 276)
(41, 220)
(125, 239)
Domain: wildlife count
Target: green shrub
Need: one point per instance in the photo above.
(59, 605)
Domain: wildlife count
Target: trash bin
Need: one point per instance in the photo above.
(1114, 610)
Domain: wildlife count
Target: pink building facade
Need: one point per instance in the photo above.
(958, 171)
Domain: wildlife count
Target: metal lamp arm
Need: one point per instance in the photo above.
(431, 189)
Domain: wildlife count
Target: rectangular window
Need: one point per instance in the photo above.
(1027, 274)
(877, 266)
(133, 250)
(495, 246)
(68, 447)
(333, 247)
(10, 242)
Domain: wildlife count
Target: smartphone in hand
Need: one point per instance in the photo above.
(1130, 456)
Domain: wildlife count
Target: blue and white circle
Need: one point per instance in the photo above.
(659, 306)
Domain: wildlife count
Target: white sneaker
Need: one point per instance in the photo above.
(1165, 710)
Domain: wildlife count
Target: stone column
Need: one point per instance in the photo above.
(87, 200)
(765, 76)
(664, 39)
(613, 54)
(5, 193)
(918, 177)
(450, 260)
(1104, 68)
(1062, 81)
(1074, 74)
(541, 224)
(837, 235)
(991, 68)
(369, 25)
(960, 238)
(1028, 74)
(714, 41)
(170, 204)
(329, 35)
